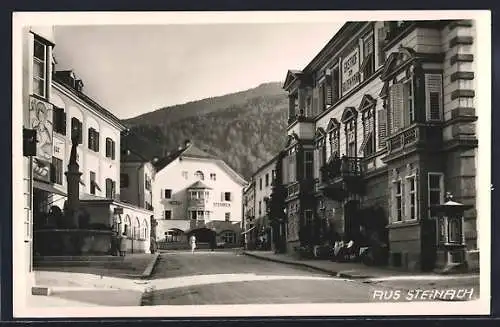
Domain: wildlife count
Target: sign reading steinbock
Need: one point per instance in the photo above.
(41, 120)
(350, 71)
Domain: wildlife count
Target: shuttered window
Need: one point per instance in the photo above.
(397, 105)
(315, 101)
(322, 97)
(59, 120)
(368, 65)
(382, 128)
(335, 84)
(76, 129)
(93, 140)
(110, 148)
(434, 96)
(329, 93)
(334, 142)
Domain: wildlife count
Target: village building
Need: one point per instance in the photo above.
(197, 193)
(381, 126)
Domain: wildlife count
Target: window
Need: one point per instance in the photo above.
(260, 208)
(308, 164)
(368, 145)
(398, 201)
(273, 176)
(434, 96)
(401, 104)
(412, 197)
(435, 189)
(56, 174)
(335, 84)
(292, 165)
(368, 65)
(124, 180)
(260, 183)
(321, 154)
(147, 183)
(40, 64)
(168, 194)
(213, 176)
(334, 143)
(381, 32)
(93, 140)
(185, 174)
(201, 215)
(59, 120)
(227, 196)
(199, 175)
(77, 129)
(228, 237)
(351, 138)
(227, 216)
(168, 214)
(110, 188)
(92, 182)
(193, 215)
(207, 215)
(267, 179)
(110, 148)
(382, 128)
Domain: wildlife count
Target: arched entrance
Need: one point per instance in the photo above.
(203, 235)
(174, 235)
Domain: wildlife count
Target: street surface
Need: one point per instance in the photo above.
(182, 278)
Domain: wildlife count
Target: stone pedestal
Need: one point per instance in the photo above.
(73, 176)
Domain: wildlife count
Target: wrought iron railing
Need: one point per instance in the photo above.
(341, 168)
(417, 133)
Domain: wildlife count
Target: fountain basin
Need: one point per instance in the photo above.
(71, 242)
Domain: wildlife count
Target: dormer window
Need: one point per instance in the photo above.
(199, 175)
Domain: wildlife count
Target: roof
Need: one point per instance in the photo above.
(61, 77)
(199, 185)
(191, 151)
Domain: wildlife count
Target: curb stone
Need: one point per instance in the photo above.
(150, 267)
(300, 264)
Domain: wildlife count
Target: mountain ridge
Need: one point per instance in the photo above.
(246, 129)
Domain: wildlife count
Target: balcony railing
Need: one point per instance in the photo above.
(341, 168)
(197, 202)
(293, 189)
(417, 134)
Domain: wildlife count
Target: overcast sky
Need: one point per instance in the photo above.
(133, 69)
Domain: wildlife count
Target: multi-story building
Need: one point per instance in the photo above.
(381, 125)
(263, 179)
(36, 48)
(249, 215)
(195, 192)
(136, 183)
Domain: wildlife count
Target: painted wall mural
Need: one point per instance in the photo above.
(41, 120)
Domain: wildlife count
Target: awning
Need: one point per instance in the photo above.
(47, 188)
(248, 230)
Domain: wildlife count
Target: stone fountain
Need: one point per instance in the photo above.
(71, 235)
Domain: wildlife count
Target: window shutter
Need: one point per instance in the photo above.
(96, 136)
(91, 138)
(315, 101)
(63, 122)
(434, 96)
(382, 128)
(113, 150)
(328, 86)
(321, 97)
(397, 103)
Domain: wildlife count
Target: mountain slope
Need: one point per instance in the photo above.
(245, 129)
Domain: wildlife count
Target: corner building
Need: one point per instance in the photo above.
(381, 126)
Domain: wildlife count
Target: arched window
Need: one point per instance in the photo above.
(228, 237)
(126, 226)
(137, 228)
(199, 175)
(145, 229)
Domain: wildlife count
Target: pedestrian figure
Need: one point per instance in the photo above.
(123, 244)
(192, 240)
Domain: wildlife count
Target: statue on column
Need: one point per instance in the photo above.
(74, 144)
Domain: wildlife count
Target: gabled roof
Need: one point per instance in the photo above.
(191, 151)
(291, 75)
(199, 185)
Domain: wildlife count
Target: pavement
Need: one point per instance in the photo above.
(66, 286)
(381, 276)
(234, 277)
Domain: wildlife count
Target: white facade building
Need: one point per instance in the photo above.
(194, 190)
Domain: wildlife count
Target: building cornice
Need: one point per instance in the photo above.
(114, 122)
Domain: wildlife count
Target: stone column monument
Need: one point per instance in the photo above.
(73, 178)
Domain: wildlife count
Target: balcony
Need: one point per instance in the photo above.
(341, 177)
(296, 188)
(413, 138)
(199, 203)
